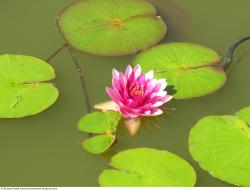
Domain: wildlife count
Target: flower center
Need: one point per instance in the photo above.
(117, 22)
(136, 90)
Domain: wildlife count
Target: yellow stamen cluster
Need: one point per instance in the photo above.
(136, 90)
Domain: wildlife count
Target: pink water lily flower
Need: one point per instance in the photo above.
(137, 94)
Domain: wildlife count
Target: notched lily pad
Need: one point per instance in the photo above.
(99, 122)
(104, 123)
(24, 86)
(221, 145)
(111, 27)
(98, 144)
(192, 69)
(146, 167)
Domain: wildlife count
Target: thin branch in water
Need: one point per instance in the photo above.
(243, 55)
(55, 53)
(229, 57)
(82, 80)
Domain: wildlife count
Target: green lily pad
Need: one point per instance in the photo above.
(192, 69)
(146, 167)
(111, 27)
(98, 144)
(24, 86)
(221, 146)
(99, 122)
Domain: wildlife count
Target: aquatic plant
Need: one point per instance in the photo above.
(137, 94)
(192, 69)
(220, 144)
(134, 95)
(102, 123)
(111, 27)
(24, 86)
(147, 167)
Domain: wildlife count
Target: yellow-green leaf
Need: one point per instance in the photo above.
(111, 27)
(146, 167)
(24, 86)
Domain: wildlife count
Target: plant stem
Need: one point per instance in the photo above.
(82, 80)
(243, 55)
(55, 53)
(229, 57)
(78, 69)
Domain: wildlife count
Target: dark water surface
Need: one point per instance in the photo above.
(45, 149)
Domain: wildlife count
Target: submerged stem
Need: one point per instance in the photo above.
(245, 53)
(55, 53)
(82, 80)
(229, 57)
